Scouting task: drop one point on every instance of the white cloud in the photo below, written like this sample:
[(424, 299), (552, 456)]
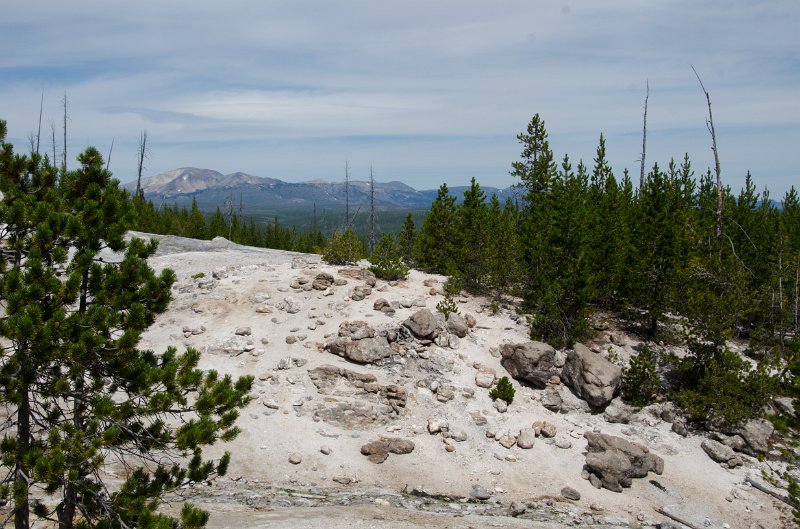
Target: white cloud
[(291, 89)]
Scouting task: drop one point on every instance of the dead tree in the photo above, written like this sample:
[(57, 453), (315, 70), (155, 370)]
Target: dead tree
[(39, 132), (53, 139), (110, 150), (64, 159), (141, 154), (347, 192), (644, 138), (372, 218), (717, 170)]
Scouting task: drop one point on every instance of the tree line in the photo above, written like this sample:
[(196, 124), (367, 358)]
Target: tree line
[(581, 241)]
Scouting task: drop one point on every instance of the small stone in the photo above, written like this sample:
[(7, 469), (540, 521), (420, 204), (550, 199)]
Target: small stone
[(570, 494), (291, 339), (595, 481), (450, 448), (597, 507), (479, 493), (564, 444), (295, 458), (526, 438), (507, 441), (517, 508), (325, 450), (437, 425), (243, 331), (500, 405)]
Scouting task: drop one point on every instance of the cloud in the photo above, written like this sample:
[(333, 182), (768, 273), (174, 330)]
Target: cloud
[(421, 90)]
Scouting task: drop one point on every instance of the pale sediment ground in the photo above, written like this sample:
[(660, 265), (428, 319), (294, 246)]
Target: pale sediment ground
[(288, 415)]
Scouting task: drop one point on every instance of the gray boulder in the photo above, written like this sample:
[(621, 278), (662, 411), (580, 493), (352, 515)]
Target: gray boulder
[(378, 451), (364, 351), (533, 362), (756, 433), (457, 325), (615, 461), (721, 453), (422, 324), (591, 377)]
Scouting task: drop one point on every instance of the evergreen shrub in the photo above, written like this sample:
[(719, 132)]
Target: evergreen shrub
[(503, 390), (640, 381), (343, 248)]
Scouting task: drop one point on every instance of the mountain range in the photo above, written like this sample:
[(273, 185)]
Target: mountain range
[(211, 189)]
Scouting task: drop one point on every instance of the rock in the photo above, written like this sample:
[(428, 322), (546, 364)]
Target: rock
[(457, 435), (479, 493), (356, 330), (422, 324), (360, 274), (378, 451), (291, 339), (591, 377), (679, 426), (507, 440), (457, 325), (325, 450), (563, 443), (364, 351), (570, 494), (756, 433), (500, 405), (295, 458), (219, 273), (485, 377), (380, 304), (517, 508), (243, 331), (721, 453), (437, 426), (360, 292), (619, 412), (526, 438), (551, 399), (322, 281), (533, 362), (470, 320), (544, 428), (615, 461)]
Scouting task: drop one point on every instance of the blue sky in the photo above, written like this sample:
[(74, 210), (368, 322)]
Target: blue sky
[(425, 92)]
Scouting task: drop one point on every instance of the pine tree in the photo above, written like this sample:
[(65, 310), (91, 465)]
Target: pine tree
[(434, 249), (472, 244), (197, 223), (82, 394), (406, 239)]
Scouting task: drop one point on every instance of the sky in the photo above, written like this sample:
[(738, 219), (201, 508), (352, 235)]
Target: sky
[(424, 92)]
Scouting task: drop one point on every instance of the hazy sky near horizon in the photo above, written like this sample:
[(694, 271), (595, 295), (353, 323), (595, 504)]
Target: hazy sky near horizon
[(425, 92)]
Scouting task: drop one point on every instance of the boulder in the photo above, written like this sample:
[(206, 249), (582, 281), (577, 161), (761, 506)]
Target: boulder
[(361, 274), (356, 330), (619, 412), (322, 281), (570, 494), (756, 433), (422, 324), (457, 325), (526, 438), (485, 377), (364, 351), (615, 461), (591, 377), (378, 451), (533, 362), (721, 453)]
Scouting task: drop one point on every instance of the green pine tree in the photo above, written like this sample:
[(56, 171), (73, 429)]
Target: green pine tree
[(434, 249), (82, 394)]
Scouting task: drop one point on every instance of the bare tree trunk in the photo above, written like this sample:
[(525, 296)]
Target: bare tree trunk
[(797, 300), (644, 139), (64, 159), (142, 154), (39, 132), (21, 484), (347, 193), (710, 125), (371, 211), (53, 139), (110, 150)]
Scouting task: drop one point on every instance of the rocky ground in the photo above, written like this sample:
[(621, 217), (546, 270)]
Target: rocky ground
[(372, 410)]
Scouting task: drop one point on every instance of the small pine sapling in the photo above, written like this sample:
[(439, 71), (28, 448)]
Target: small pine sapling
[(503, 391)]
